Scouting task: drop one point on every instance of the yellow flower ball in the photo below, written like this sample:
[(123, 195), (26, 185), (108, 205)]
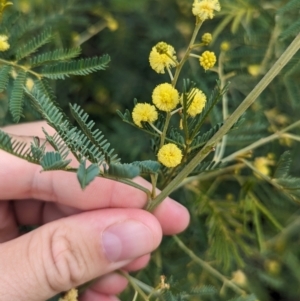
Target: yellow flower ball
[(198, 103), (162, 56), (4, 45), (225, 46), (144, 112), (165, 97), (205, 9), (262, 165), (169, 155), (207, 60)]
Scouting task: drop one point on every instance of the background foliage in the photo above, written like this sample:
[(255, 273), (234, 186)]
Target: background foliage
[(237, 216)]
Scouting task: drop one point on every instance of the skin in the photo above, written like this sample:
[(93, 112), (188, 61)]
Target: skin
[(68, 249)]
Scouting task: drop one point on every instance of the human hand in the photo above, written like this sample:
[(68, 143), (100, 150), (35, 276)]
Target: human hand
[(83, 235)]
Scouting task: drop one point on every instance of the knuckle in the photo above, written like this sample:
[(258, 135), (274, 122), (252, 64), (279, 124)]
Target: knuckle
[(67, 266)]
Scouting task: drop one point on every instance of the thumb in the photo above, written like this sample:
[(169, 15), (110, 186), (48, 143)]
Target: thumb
[(73, 250)]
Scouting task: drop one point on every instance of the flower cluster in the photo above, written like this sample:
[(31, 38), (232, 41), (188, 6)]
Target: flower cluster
[(4, 45), (162, 56), (205, 9), (165, 96), (144, 112), (207, 59), (169, 155)]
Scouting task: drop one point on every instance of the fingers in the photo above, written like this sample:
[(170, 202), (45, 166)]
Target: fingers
[(29, 129), (110, 284), (73, 250), (63, 188), (8, 226)]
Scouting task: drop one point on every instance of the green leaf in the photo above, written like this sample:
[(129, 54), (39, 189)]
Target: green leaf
[(5, 142), (17, 148), (53, 161), (62, 70), (122, 170), (195, 124), (16, 98), (4, 77), (202, 139), (86, 175), (98, 142), (34, 44), (283, 166), (56, 55), (147, 166)]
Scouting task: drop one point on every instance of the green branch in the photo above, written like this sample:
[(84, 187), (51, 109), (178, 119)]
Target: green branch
[(208, 267), (248, 101)]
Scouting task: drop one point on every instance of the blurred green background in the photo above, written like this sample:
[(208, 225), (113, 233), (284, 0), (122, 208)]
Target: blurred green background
[(226, 228)]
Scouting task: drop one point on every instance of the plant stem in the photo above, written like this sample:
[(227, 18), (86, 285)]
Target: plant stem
[(212, 174), (276, 68), (131, 280), (220, 149), (164, 133), (26, 69), (261, 142), (208, 267), (174, 80), (187, 53)]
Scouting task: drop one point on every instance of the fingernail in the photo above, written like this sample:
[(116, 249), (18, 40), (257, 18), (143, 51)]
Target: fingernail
[(126, 240)]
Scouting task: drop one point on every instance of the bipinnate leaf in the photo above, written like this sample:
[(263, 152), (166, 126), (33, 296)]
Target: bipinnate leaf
[(54, 161), (16, 98), (86, 175), (4, 77), (147, 166), (122, 170), (283, 166)]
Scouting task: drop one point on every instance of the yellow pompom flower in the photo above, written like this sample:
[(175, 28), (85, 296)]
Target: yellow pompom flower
[(144, 112), (204, 9), (225, 46), (197, 104), (207, 59), (162, 56), (262, 165), (71, 295), (169, 155), (3, 43), (165, 97)]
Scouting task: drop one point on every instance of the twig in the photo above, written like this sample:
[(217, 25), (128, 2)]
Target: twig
[(248, 101), (208, 267)]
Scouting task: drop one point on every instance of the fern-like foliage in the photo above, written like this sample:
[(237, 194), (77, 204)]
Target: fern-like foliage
[(18, 148), (98, 144), (34, 44), (148, 166), (53, 161), (4, 77), (201, 140), (56, 55), (205, 166), (86, 175), (122, 170), (25, 62), (225, 245), (283, 166), (62, 70), (289, 185), (194, 124), (16, 99)]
